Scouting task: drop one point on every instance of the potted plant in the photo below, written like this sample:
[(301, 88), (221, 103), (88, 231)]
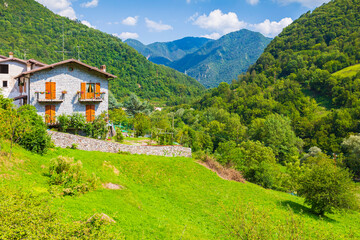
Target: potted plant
[(64, 92)]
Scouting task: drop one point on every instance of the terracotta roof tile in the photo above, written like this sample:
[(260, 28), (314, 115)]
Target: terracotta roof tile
[(108, 75)]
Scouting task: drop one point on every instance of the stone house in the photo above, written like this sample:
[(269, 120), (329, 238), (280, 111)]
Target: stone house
[(10, 67), (65, 87)]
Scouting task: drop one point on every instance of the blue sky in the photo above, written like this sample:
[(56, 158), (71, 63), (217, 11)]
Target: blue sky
[(165, 20)]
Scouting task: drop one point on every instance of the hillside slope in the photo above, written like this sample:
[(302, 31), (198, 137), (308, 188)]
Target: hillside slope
[(208, 61), (293, 77), (173, 198), (224, 59), (26, 25), (167, 52), (327, 39)]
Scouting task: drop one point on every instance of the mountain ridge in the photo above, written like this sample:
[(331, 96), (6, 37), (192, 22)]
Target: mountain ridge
[(211, 61)]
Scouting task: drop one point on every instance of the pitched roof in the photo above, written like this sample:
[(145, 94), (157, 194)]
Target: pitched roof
[(108, 75), (13, 59), (3, 57), (37, 62), (22, 61)]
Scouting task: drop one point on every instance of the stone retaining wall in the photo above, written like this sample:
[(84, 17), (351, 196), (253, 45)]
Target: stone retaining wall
[(89, 144)]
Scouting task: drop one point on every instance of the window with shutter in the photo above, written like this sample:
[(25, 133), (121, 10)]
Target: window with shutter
[(90, 113), (50, 114)]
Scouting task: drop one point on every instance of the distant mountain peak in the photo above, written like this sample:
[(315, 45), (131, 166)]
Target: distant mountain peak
[(209, 61)]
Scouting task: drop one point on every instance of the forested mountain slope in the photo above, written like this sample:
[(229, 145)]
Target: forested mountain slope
[(209, 61), (26, 25), (167, 52), (222, 60), (293, 78), (315, 45)]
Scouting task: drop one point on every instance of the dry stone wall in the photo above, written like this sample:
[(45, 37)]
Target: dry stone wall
[(89, 144)]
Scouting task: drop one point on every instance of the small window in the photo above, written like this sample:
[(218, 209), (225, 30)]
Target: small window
[(5, 84), (4, 68)]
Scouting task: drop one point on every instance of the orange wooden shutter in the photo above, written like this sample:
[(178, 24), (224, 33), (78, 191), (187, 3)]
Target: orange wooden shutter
[(50, 113), (90, 113), (97, 90), (53, 90), (53, 113), (83, 90), (47, 113), (47, 90)]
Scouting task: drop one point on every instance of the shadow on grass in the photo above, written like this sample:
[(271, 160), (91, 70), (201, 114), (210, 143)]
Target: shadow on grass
[(300, 209)]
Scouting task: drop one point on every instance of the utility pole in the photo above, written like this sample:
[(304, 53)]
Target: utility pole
[(78, 52), (63, 45), (25, 50)]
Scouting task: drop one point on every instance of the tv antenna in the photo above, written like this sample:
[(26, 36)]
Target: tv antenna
[(25, 51), (78, 52), (63, 45)]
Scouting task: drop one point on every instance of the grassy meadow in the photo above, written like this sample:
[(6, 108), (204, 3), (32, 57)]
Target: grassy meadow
[(348, 72), (174, 198)]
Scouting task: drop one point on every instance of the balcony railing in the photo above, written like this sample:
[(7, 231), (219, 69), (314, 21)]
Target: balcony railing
[(91, 97), (42, 97)]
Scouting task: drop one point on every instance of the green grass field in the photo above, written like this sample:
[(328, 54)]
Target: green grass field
[(348, 72), (168, 198)]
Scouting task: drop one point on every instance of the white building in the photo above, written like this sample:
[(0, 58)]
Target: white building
[(65, 87)]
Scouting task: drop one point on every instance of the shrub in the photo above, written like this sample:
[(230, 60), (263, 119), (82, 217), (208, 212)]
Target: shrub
[(26, 216), (351, 145), (119, 137), (98, 128), (325, 186), (68, 176), (258, 163), (228, 153), (25, 127), (77, 122), (64, 122)]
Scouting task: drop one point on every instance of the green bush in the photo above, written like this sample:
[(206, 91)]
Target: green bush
[(77, 122), (258, 164), (25, 127), (97, 129), (119, 137), (68, 177), (26, 216), (64, 122), (325, 186)]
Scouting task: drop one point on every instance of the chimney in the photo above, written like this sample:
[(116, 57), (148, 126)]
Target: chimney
[(103, 68), (28, 66), (11, 55)]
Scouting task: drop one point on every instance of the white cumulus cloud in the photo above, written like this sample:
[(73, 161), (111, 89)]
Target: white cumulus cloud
[(252, 2), (130, 21), (61, 7), (157, 27), (214, 36), (271, 29), (221, 22), (126, 35), (86, 23), (92, 3), (306, 3)]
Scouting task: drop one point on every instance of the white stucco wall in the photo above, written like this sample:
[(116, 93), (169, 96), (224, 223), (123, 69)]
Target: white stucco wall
[(71, 82), (15, 68)]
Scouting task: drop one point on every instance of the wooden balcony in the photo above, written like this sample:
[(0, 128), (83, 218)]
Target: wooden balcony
[(42, 98), (90, 98)]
